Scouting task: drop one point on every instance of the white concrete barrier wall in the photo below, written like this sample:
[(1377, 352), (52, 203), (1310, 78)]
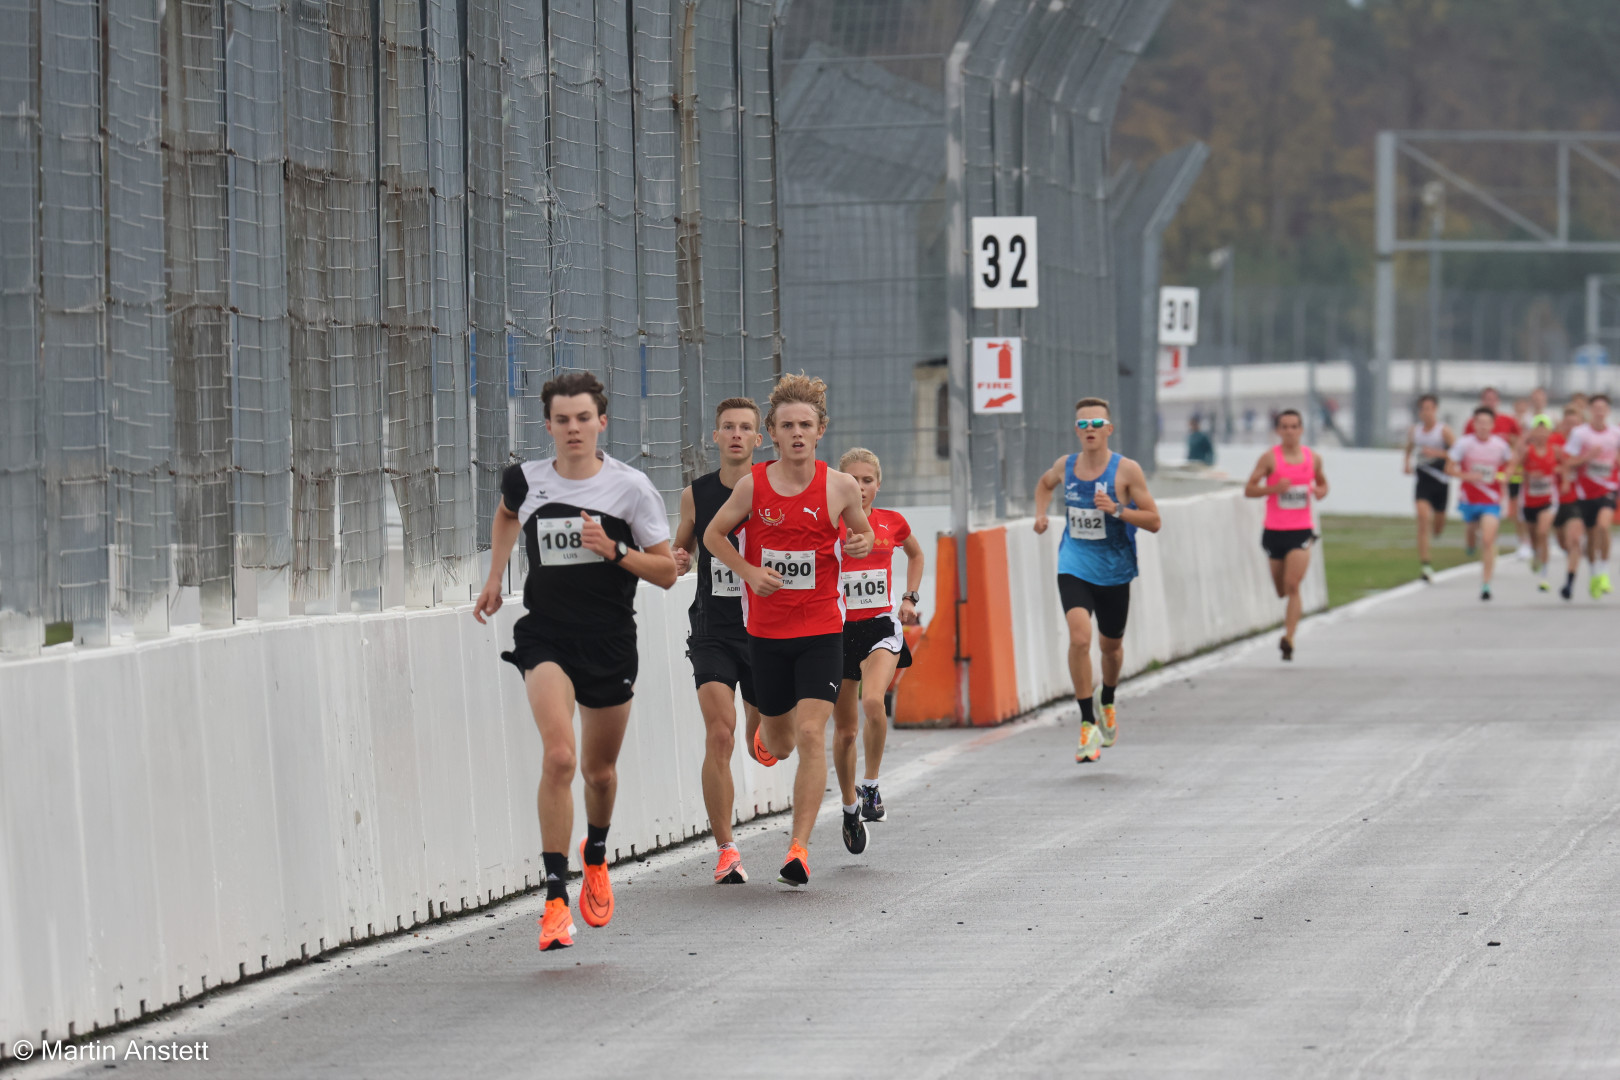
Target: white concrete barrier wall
[(1204, 581), (175, 814), (1360, 481)]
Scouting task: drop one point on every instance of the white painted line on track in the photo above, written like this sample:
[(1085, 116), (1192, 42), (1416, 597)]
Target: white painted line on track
[(209, 1013)]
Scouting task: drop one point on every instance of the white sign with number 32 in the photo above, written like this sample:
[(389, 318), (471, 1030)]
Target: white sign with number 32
[(1004, 263)]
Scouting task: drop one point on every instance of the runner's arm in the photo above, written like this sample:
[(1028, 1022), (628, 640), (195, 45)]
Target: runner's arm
[(731, 514), (914, 575), (1257, 488), (652, 564), (1145, 514), (859, 535), (686, 538), (503, 533), (1406, 455), (1048, 483), (1320, 488)]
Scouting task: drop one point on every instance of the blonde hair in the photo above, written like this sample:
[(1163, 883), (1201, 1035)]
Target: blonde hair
[(860, 453), (800, 389)]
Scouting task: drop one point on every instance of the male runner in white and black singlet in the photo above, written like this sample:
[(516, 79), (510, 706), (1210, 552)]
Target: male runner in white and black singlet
[(718, 644), (593, 527), (791, 600), (1427, 445)]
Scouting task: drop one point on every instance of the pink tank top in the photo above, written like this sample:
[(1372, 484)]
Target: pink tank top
[(1291, 509)]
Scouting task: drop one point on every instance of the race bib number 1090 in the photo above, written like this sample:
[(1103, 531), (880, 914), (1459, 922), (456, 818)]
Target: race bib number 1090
[(562, 542), (865, 588), (798, 568)]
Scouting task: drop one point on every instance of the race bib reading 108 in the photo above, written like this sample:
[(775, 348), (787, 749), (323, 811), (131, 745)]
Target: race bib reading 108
[(562, 542), (798, 568)]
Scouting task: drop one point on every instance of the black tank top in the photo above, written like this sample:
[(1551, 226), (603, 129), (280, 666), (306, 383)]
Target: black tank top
[(711, 615)]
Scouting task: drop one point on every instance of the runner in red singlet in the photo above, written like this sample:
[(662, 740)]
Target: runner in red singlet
[(874, 646), (1537, 461), (1567, 523), (792, 603)]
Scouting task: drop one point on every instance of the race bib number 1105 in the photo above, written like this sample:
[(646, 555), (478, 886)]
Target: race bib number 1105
[(865, 588)]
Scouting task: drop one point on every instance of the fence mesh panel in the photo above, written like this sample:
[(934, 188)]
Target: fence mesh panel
[(376, 230), (73, 300), (22, 517)]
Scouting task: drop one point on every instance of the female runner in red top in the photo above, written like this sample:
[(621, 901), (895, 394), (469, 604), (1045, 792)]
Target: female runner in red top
[(873, 645), (792, 605), (1537, 461)]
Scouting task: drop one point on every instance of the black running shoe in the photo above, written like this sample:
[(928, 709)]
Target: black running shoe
[(854, 833), (1568, 591), (871, 803)]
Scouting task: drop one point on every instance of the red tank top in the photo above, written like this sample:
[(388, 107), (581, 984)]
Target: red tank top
[(796, 536), (1540, 476), (868, 584)]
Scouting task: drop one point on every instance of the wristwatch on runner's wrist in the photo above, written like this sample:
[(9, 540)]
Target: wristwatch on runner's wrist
[(622, 549), (914, 597)]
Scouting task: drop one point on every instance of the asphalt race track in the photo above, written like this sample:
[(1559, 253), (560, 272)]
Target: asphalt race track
[(1397, 856)]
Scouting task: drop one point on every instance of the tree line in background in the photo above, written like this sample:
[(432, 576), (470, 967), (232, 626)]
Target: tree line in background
[(1290, 93)]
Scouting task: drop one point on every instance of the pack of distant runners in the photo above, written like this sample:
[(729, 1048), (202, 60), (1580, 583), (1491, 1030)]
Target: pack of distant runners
[(1554, 476)]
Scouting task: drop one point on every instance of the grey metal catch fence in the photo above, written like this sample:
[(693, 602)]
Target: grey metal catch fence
[(870, 101), (280, 283)]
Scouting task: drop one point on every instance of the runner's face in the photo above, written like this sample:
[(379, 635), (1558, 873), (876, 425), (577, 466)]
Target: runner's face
[(1538, 400), (1600, 412), (737, 435), (574, 425), (1490, 399), (1426, 413), (795, 430), (1483, 426), (1289, 430), (1092, 438), (867, 477)]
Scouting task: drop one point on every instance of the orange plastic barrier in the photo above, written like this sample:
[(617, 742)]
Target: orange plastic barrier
[(927, 697)]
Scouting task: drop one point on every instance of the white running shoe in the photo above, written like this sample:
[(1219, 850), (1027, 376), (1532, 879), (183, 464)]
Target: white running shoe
[(1525, 553)]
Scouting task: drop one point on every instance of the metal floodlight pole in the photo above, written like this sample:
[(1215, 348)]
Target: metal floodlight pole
[(1377, 399), (1224, 260), (1434, 197), (957, 359), (1594, 326)]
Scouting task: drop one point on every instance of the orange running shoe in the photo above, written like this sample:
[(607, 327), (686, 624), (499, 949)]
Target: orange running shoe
[(729, 870), (556, 926), (1109, 725), (796, 871), (762, 755), (595, 892)]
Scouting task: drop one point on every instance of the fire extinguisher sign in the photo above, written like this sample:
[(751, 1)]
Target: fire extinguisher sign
[(998, 375)]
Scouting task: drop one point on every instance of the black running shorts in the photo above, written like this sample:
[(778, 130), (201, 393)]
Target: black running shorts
[(1530, 513), (863, 637), (790, 670), (1591, 508), (722, 660), (1567, 512), (1514, 486), (1433, 491), (1110, 603), (1279, 542), (602, 668)]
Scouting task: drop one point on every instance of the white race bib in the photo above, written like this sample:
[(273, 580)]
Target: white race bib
[(865, 588), (1295, 498), (1087, 523), (1539, 486), (798, 568), (562, 542), (1484, 474), (1599, 471), (722, 581)]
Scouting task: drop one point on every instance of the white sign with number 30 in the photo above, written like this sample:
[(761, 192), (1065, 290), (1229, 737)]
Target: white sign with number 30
[(1004, 263), (1178, 315)]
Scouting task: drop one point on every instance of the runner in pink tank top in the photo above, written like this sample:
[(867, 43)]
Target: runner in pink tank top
[(1289, 477)]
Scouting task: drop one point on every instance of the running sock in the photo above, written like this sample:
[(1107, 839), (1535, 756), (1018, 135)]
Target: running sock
[(852, 807), (596, 844), (1086, 715), (556, 874), (732, 844), (1569, 579), (1108, 694)]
